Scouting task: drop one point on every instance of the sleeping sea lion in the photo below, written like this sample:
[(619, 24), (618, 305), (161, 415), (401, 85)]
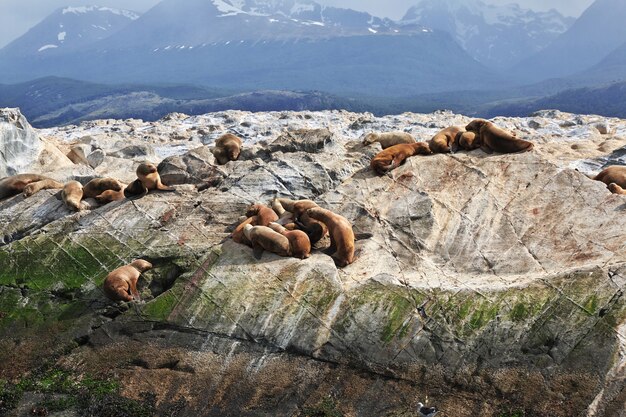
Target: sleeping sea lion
[(392, 157), (492, 138), (121, 283), (299, 243), (388, 139), (264, 238), (443, 140)]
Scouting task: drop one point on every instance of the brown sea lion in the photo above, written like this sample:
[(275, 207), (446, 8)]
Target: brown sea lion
[(299, 243), (135, 188), (265, 214), (97, 186), (256, 215), (35, 187), (316, 230), (284, 217), (238, 235), (443, 141), (227, 148), (392, 157), (467, 141), (492, 138), (341, 235), (149, 176), (109, 196), (15, 184), (72, 194), (616, 189), (264, 238), (388, 139), (121, 283), (614, 173)]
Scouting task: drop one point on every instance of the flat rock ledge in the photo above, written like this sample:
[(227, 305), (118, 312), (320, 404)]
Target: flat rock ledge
[(492, 285)]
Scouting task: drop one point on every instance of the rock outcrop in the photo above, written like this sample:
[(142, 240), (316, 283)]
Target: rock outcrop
[(19, 143), (492, 284)]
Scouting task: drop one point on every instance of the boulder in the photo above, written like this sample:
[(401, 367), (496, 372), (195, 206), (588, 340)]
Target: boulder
[(19, 143)]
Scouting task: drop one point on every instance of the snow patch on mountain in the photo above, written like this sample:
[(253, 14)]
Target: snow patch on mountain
[(49, 46), (499, 35), (88, 9)]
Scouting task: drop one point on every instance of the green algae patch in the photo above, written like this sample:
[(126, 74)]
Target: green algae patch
[(519, 312), (60, 390), (160, 308), (399, 311)]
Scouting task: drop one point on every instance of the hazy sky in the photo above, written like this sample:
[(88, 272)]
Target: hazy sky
[(17, 16)]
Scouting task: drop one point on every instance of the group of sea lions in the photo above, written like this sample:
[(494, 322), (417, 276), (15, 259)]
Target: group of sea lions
[(292, 227), (288, 228), (479, 133)]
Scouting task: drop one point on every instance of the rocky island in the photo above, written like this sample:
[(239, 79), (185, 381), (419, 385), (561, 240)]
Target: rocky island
[(491, 285)]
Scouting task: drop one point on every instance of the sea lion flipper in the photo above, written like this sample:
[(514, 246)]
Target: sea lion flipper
[(257, 250), (485, 148), (363, 236), (163, 187)]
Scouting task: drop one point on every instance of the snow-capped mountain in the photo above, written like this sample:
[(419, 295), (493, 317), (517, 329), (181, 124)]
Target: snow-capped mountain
[(495, 35), (592, 38), (70, 28), (248, 45), (173, 24)]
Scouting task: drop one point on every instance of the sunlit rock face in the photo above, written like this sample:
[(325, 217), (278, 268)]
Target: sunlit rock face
[(19, 143), (485, 284)]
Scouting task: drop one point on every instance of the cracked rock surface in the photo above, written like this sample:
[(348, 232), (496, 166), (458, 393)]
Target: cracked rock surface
[(491, 284)]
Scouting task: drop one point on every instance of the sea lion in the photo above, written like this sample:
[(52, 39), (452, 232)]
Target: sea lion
[(316, 230), (256, 215), (98, 186), (341, 235), (299, 243), (285, 217), (238, 235), (613, 174), (135, 188), (149, 176), (616, 189), (36, 186), (72, 194), (265, 215), (443, 141), (109, 196), (392, 157), (15, 184), (492, 138), (388, 139), (466, 140), (264, 238), (227, 148), (121, 283)]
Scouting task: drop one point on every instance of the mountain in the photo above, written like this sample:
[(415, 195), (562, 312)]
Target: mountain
[(53, 101), (607, 100), (69, 29), (217, 43), (498, 36), (596, 33), (611, 69), (173, 24)]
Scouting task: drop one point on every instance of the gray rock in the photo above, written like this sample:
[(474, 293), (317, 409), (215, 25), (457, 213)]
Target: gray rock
[(19, 144), (302, 140), (195, 167), (134, 151)]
